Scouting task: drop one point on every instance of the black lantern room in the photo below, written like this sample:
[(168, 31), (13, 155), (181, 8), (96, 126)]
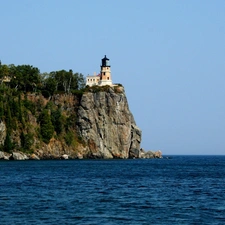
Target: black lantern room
[(105, 62)]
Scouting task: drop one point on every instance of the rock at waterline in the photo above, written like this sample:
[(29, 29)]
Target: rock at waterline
[(150, 154), (3, 156), (18, 156)]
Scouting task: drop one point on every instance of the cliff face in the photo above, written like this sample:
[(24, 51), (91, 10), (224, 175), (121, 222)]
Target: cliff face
[(107, 125), (99, 123), (2, 132)]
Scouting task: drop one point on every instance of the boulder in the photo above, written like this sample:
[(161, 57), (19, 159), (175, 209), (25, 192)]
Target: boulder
[(18, 156), (34, 157), (150, 154), (158, 154), (80, 156), (3, 156), (65, 156)]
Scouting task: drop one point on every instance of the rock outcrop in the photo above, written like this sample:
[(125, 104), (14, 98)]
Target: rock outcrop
[(34, 157), (150, 154), (18, 156), (107, 126), (4, 156), (100, 126)]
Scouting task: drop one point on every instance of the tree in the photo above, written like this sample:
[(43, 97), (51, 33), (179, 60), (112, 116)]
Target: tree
[(1, 108), (51, 85), (64, 81), (8, 118), (14, 108), (25, 77), (4, 71), (26, 140), (80, 81), (47, 129), (8, 146), (56, 118)]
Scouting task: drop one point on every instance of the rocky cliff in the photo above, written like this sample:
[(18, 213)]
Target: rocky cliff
[(107, 125), (99, 121)]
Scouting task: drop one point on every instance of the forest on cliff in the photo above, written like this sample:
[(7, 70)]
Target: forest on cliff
[(25, 96), (55, 115)]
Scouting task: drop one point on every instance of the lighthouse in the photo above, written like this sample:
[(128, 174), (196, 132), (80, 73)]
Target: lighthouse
[(105, 73), (104, 78)]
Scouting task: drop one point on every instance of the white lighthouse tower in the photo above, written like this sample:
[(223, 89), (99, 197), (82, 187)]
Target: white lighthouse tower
[(105, 73)]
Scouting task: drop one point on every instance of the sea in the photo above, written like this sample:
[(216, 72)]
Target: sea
[(172, 190)]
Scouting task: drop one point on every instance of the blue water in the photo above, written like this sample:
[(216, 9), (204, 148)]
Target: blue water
[(180, 190)]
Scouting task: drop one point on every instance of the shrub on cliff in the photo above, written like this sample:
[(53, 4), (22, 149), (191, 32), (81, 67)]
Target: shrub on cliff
[(69, 138), (96, 88)]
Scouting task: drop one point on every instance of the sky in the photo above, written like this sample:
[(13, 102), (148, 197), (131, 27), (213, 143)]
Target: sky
[(169, 56)]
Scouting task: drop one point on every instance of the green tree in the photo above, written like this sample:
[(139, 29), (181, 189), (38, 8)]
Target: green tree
[(46, 127), (64, 81), (26, 140), (56, 118), (4, 71), (51, 85), (14, 107), (1, 108), (21, 111), (79, 81), (29, 105), (8, 146), (25, 78), (8, 119), (69, 138)]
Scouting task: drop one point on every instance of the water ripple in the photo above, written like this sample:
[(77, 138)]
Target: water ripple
[(183, 190)]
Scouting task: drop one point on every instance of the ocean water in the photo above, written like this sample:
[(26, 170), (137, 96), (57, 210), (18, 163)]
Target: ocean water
[(179, 190)]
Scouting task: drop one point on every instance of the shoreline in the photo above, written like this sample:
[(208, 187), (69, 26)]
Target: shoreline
[(20, 156)]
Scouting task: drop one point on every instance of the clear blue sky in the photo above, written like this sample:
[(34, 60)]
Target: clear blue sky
[(169, 55)]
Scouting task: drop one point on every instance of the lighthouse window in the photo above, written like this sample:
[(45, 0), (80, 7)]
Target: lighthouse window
[(104, 73)]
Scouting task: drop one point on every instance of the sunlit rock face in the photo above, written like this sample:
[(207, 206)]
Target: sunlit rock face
[(2, 132), (107, 126)]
